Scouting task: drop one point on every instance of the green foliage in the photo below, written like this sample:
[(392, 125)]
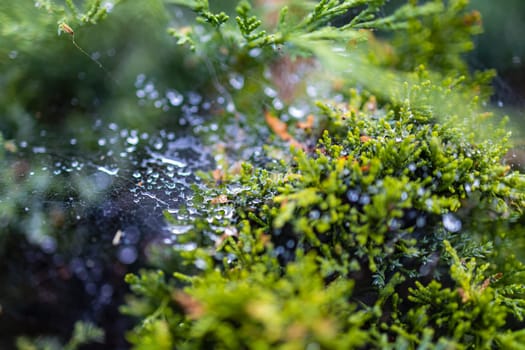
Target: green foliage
[(259, 307), (311, 27), (29, 39), (18, 27), (372, 203), (473, 313), (392, 223), (83, 333), (439, 41), (395, 231)]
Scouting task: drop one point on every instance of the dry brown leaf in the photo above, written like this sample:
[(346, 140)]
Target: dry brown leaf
[(192, 307), (472, 18), (281, 129), (220, 199), (365, 168), (484, 285), (218, 175), (465, 296), (307, 124), (277, 126)]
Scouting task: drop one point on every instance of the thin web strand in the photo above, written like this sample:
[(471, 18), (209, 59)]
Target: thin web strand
[(67, 29)]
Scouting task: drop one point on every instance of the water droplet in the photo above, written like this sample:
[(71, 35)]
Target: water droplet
[(311, 91), (96, 55), (230, 107), (180, 229), (186, 247), (133, 139), (139, 81), (277, 104), (236, 81), (168, 241), (255, 52), (394, 224), (364, 200), (40, 149), (174, 97), (174, 162), (296, 112), (268, 91), (108, 6), (108, 171), (352, 195), (127, 255), (194, 98), (13, 54), (201, 264), (149, 87), (451, 222)]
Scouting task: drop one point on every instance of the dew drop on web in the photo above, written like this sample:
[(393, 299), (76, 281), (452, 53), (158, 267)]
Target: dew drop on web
[(451, 223)]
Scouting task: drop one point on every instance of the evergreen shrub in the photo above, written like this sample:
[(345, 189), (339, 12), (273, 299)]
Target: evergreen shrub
[(393, 222), (384, 217)]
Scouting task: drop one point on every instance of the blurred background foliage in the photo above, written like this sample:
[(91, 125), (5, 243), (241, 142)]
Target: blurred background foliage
[(45, 78), (46, 83), (501, 47)]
